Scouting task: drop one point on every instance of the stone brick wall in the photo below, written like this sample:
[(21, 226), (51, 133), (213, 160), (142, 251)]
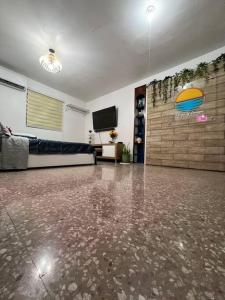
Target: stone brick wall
[(176, 139)]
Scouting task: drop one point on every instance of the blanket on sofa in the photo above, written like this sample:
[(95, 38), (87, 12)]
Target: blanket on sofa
[(14, 151)]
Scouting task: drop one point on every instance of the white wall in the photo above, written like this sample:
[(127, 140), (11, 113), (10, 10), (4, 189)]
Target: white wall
[(76, 125), (13, 109), (124, 100)]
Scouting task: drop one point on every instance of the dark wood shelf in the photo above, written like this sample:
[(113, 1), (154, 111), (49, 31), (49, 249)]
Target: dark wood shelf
[(139, 106), (105, 157)]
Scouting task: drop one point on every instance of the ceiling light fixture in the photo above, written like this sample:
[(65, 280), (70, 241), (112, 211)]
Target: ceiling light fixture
[(151, 8), (50, 62)]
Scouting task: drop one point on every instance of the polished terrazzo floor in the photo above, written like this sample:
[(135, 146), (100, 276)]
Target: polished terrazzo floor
[(112, 232)]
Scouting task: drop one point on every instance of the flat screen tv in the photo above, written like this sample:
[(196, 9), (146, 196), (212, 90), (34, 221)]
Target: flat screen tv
[(105, 119)]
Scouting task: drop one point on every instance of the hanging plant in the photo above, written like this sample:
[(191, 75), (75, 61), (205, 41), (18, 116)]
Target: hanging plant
[(216, 62), (171, 86), (176, 80), (153, 84), (187, 75), (183, 77), (222, 59), (160, 88), (165, 88), (202, 71), (215, 65)]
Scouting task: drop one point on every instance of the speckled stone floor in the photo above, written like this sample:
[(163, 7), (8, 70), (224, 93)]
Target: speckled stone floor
[(112, 232)]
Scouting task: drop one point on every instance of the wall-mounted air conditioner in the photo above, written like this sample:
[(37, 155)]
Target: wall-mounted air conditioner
[(77, 108), (12, 85)]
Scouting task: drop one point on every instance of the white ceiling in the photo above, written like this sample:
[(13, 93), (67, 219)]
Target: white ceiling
[(103, 44)]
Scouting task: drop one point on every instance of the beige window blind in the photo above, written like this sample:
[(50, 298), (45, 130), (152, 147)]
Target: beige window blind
[(44, 112)]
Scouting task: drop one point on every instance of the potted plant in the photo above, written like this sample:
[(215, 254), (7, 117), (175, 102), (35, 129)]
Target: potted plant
[(113, 134), (126, 154)]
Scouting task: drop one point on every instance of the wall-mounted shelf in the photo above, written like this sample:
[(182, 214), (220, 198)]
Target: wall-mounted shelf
[(139, 124)]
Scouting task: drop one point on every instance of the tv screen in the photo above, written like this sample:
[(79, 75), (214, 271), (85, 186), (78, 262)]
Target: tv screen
[(105, 119)]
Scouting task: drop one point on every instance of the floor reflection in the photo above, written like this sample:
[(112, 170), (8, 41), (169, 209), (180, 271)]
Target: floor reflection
[(112, 232)]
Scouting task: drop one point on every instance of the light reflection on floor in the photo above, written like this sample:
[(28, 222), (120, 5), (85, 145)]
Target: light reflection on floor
[(112, 232)]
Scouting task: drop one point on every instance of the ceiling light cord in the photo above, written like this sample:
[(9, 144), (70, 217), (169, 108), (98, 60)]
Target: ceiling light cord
[(149, 48), (150, 11)]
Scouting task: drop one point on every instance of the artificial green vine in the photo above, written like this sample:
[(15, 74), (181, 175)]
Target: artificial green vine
[(176, 81), (186, 76), (165, 88), (154, 91), (171, 86), (216, 62), (202, 71), (215, 65), (160, 87)]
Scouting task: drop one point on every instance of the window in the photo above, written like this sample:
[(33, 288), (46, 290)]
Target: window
[(44, 112)]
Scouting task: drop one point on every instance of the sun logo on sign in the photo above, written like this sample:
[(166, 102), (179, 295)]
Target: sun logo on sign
[(189, 99)]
